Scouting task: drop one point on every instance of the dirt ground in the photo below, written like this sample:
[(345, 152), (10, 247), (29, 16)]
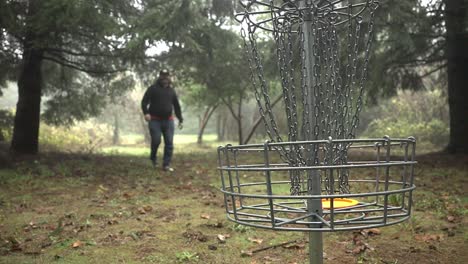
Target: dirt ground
[(69, 208)]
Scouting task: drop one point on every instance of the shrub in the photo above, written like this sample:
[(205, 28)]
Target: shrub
[(6, 125), (422, 114), (85, 137)]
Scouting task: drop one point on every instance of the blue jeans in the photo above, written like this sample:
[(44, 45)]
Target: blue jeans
[(166, 128)]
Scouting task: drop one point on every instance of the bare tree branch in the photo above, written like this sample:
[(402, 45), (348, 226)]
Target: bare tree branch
[(259, 119), (229, 105), (79, 54), (434, 70), (71, 65)]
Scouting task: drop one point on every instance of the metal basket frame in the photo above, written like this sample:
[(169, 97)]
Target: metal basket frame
[(259, 204)]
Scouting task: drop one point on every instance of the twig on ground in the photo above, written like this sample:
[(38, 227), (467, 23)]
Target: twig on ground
[(250, 253)]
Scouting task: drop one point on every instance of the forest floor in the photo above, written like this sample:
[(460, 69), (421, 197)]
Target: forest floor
[(115, 208)]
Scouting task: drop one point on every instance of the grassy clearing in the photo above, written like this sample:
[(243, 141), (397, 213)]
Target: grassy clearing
[(108, 208), (183, 144)]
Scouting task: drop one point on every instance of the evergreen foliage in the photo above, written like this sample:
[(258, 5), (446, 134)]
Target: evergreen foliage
[(409, 45)]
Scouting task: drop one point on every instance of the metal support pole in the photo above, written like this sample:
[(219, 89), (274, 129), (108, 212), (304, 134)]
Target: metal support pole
[(314, 206)]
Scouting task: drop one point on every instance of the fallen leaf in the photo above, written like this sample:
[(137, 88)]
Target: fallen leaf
[(148, 208), (359, 249), (205, 216), (76, 244), (255, 240), (102, 188), (368, 232), (427, 238), (373, 231), (221, 238), (451, 218)]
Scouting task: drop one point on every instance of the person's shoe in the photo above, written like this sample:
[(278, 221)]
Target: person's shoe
[(154, 163), (168, 168)]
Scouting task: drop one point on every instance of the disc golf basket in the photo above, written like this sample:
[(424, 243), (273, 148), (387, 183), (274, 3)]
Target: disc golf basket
[(319, 179)]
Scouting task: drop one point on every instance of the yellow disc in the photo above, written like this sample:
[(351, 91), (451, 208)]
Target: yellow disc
[(338, 203)]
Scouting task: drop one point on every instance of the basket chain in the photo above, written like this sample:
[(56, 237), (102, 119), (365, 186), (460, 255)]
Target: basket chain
[(329, 107)]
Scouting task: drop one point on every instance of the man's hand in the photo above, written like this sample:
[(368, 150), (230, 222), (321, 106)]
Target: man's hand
[(181, 125), (148, 117)]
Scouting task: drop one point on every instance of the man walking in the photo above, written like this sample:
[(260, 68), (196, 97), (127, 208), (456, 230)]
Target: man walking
[(157, 105)]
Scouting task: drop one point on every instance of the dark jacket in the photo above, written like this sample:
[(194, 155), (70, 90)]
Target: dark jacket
[(161, 102)]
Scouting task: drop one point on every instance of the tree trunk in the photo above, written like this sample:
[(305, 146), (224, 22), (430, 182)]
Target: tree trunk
[(116, 136), (144, 128), (218, 126), (239, 121), (457, 70), (204, 121), (28, 109), (221, 126), (143, 124), (259, 119)]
